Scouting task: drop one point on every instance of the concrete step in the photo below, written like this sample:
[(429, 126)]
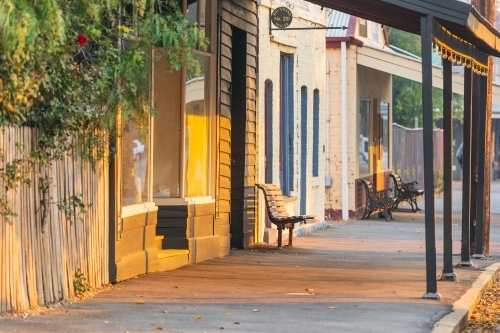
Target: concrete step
[(172, 259), (159, 241)]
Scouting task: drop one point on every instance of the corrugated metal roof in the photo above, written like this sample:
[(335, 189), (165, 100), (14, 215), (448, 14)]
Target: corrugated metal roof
[(337, 19)]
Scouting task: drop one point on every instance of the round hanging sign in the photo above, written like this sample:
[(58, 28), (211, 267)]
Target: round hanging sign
[(281, 17)]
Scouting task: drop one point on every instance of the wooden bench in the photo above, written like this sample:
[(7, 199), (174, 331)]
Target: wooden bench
[(277, 212), (405, 192), (377, 200)]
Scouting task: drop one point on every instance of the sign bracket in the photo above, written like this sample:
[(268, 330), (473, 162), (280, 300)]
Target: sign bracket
[(282, 17)]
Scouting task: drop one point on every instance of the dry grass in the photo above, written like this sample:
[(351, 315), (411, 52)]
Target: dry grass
[(486, 317)]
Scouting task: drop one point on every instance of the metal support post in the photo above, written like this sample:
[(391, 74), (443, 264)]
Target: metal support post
[(430, 216), (448, 273), (466, 163), (478, 251)]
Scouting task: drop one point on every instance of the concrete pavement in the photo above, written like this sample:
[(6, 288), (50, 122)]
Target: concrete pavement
[(361, 276)]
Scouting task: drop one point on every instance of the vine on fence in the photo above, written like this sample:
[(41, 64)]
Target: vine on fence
[(71, 68)]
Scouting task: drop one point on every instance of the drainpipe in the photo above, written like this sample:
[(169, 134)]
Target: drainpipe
[(328, 177), (345, 188)]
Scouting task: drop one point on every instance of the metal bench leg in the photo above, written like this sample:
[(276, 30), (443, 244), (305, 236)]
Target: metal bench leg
[(280, 234), (290, 235)]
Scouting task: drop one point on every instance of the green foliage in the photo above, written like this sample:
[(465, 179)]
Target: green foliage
[(73, 207), (406, 41), (81, 285), (407, 94), (80, 68)]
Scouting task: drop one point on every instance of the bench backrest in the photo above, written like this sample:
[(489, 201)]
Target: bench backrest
[(274, 200)]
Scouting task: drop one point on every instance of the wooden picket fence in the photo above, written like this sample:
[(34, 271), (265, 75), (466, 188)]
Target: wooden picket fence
[(38, 268)]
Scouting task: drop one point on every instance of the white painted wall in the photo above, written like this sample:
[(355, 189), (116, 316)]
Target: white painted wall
[(308, 48), (362, 82), (333, 195)]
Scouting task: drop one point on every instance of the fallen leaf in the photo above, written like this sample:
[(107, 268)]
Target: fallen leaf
[(228, 313), (222, 328), (333, 307), (183, 307), (255, 310), (139, 302), (197, 318), (237, 322), (165, 311), (158, 329)]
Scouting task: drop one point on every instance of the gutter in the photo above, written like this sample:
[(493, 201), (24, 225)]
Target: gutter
[(336, 42)]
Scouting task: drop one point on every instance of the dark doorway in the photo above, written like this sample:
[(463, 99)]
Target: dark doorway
[(238, 130)]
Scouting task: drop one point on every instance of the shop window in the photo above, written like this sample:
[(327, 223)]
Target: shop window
[(185, 105), (135, 159), (384, 134), (196, 12), (363, 135), (166, 134), (197, 132)]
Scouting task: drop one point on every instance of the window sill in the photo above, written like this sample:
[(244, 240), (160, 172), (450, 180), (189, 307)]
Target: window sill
[(137, 209), (183, 201)]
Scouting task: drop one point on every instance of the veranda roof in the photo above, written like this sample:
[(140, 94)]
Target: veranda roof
[(458, 18)]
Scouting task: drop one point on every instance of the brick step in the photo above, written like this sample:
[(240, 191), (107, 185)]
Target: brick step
[(172, 259), (159, 241)]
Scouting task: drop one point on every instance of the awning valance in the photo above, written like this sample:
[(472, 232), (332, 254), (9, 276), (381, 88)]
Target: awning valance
[(457, 50)]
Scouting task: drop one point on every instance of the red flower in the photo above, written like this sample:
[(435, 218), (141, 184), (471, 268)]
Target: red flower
[(82, 39)]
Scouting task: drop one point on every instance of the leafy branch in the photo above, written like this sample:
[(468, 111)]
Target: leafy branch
[(80, 68)]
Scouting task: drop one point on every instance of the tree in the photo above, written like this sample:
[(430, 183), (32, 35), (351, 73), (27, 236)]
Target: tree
[(407, 94)]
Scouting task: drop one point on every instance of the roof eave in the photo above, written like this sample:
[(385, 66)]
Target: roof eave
[(483, 30)]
